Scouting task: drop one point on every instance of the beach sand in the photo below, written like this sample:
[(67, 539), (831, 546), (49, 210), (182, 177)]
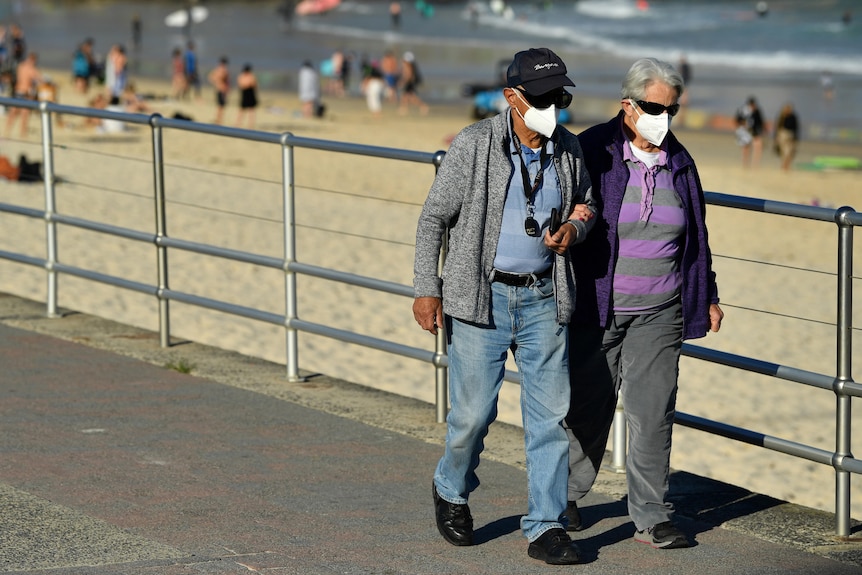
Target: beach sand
[(776, 274)]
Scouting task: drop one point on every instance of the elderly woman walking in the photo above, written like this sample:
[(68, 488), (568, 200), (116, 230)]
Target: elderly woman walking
[(645, 284)]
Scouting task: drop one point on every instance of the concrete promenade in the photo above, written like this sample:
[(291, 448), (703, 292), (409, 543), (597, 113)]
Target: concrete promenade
[(113, 463)]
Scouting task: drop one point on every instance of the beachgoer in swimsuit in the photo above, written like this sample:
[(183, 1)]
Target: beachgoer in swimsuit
[(219, 78), (410, 80), (27, 80), (389, 67), (247, 84)]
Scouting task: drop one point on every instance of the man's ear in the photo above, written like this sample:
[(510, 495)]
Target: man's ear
[(510, 95), (513, 97)]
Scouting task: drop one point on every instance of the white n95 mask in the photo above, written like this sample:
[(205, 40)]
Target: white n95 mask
[(542, 121), (653, 129)]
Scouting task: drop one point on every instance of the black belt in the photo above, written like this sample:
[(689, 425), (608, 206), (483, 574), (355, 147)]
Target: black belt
[(518, 280)]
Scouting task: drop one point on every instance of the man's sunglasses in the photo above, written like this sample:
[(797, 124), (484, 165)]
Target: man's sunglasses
[(654, 109), (560, 99)]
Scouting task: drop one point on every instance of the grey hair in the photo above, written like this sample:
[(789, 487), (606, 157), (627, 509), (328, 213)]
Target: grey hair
[(647, 71)]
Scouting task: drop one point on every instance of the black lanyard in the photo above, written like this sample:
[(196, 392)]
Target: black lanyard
[(531, 226)]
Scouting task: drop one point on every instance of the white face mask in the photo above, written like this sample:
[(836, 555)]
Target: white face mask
[(652, 128), (541, 121)]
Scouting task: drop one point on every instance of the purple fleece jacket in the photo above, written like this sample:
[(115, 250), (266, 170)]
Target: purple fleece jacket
[(596, 257)]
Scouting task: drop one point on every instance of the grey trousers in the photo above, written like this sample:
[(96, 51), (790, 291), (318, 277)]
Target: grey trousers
[(637, 357)]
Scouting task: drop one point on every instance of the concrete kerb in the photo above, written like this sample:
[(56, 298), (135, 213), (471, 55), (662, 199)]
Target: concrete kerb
[(695, 497)]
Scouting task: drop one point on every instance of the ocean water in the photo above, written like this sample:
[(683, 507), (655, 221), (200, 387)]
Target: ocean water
[(734, 51), (802, 36)]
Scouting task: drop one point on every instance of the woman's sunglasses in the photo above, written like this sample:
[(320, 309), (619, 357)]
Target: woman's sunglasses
[(654, 109), (560, 100)]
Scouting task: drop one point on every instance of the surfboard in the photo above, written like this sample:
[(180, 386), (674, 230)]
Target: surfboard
[(307, 7), (838, 162), (822, 163)]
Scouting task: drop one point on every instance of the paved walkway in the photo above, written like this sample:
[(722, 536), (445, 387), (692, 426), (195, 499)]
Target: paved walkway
[(113, 464)]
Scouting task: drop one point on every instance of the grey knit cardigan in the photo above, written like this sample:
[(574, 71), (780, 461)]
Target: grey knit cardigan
[(467, 199)]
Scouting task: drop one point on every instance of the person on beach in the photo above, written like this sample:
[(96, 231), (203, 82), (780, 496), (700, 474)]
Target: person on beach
[(410, 80), (645, 284), (507, 284), (750, 127), (786, 135), (395, 14), (17, 44), (373, 86), (179, 85), (133, 102), (27, 79), (137, 33), (309, 89), (247, 84), (219, 79), (334, 78), (120, 68), (347, 71), (391, 74), (190, 68), (17, 52), (110, 77), (827, 84), (83, 66), (5, 67)]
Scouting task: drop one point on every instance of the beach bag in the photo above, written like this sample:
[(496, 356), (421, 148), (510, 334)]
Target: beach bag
[(29, 171)]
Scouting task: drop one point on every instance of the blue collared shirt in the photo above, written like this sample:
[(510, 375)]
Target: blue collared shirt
[(516, 251)]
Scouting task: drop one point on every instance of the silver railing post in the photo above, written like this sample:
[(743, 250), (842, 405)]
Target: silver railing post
[(50, 209), (618, 453), (290, 333), (844, 358), (161, 232)]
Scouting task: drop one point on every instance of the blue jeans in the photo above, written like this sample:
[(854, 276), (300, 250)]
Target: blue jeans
[(524, 320)]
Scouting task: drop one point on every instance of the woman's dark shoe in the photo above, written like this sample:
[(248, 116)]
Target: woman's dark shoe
[(574, 517), (453, 520), (663, 536), (555, 547)]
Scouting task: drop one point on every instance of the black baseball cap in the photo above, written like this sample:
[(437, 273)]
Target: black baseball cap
[(538, 71)]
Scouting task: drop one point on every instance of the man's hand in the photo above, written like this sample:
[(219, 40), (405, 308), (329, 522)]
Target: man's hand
[(428, 312), (560, 241), (567, 234)]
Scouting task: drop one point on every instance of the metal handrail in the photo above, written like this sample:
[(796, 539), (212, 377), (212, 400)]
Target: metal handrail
[(845, 218)]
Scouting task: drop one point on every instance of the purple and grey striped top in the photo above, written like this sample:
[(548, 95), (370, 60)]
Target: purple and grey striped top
[(651, 228)]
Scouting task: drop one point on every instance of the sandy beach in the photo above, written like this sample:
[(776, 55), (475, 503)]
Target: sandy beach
[(776, 274)]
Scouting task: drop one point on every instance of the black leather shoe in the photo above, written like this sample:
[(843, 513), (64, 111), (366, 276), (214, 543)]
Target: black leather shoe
[(454, 521), (554, 547), (574, 517)]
